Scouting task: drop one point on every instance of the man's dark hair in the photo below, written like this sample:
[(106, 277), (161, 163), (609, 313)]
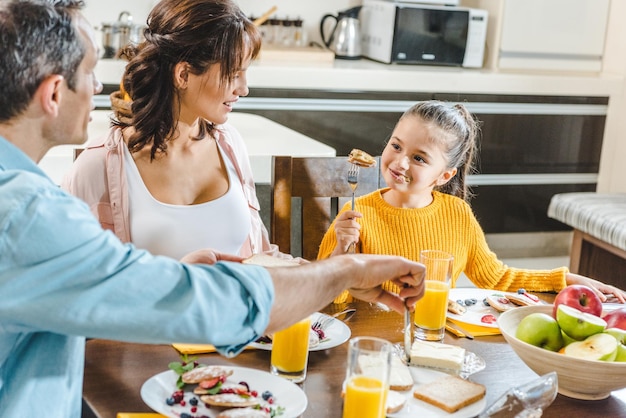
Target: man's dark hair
[(38, 38)]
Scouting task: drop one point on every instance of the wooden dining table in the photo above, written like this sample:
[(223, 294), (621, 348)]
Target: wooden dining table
[(115, 371)]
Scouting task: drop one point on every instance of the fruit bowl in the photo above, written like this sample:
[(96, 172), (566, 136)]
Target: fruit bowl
[(578, 378)]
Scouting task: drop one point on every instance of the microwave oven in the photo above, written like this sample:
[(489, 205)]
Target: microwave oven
[(411, 33)]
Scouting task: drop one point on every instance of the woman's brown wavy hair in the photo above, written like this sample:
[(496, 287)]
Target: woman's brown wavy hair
[(198, 32)]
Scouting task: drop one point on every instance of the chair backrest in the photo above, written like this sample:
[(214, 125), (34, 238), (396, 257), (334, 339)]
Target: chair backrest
[(307, 193)]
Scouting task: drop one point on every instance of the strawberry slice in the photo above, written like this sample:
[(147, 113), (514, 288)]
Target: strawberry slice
[(208, 384)]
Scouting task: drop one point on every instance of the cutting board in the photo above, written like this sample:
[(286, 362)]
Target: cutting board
[(306, 55)]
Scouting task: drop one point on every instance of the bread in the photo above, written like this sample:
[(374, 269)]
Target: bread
[(456, 308), (229, 400), (244, 413), (437, 355), (269, 261), (450, 393), (399, 376), (361, 158), (395, 401), (199, 374), (499, 302)]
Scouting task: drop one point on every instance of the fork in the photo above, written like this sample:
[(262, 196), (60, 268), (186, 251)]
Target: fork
[(353, 180)]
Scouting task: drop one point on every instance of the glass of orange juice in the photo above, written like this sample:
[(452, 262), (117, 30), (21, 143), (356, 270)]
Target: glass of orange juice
[(430, 310), (367, 378), (290, 351)]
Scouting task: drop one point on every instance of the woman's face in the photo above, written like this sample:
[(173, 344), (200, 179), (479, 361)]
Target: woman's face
[(412, 162), (204, 97)]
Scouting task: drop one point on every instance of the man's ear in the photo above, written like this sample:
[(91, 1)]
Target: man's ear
[(50, 94), (181, 75), (446, 176)]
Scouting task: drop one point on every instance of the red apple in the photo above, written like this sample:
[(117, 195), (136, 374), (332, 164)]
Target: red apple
[(616, 318), (580, 297)]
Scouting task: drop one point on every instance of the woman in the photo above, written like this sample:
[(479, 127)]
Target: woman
[(172, 176)]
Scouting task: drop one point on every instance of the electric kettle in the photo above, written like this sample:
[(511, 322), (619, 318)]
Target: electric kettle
[(345, 38)]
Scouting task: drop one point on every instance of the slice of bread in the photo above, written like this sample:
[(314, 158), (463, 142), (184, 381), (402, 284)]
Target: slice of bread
[(229, 400), (450, 393), (395, 401), (269, 261), (199, 374)]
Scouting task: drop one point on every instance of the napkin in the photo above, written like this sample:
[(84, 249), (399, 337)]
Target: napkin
[(476, 330), (198, 348)]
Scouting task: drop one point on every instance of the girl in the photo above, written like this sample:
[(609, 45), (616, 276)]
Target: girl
[(425, 165), (172, 176)]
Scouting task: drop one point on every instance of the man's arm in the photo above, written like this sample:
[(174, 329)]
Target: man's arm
[(300, 291)]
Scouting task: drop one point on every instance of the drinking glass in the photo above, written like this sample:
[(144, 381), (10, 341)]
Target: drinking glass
[(290, 351), (367, 378), (430, 310)]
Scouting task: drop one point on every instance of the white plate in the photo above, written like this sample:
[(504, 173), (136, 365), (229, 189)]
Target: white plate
[(159, 387), (475, 312), (416, 408), (337, 333)]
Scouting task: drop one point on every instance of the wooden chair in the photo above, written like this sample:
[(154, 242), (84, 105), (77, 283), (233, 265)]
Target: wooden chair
[(307, 193)]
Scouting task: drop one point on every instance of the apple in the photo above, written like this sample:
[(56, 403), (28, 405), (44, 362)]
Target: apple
[(580, 297), (540, 330), (616, 318), (577, 324), (620, 336), (600, 346), (567, 340)]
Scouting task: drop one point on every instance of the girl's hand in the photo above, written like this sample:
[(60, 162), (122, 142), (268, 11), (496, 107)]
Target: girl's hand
[(600, 288), (347, 230)]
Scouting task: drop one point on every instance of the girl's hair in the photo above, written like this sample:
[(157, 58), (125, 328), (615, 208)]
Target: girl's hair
[(198, 32), (458, 139)]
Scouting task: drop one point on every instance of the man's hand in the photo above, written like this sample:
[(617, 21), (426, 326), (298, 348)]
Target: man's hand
[(374, 270)]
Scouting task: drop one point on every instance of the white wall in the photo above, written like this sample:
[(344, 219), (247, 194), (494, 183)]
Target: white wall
[(98, 11)]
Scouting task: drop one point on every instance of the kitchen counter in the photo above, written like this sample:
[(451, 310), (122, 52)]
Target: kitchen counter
[(262, 136), (367, 75)]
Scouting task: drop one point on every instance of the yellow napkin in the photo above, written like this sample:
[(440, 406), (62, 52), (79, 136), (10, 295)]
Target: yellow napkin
[(198, 348), (476, 330), (194, 348), (139, 415)]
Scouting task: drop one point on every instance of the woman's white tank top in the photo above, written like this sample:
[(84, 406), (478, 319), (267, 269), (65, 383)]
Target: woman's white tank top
[(176, 230)]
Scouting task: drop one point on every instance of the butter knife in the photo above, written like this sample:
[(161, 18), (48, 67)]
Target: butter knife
[(458, 331)]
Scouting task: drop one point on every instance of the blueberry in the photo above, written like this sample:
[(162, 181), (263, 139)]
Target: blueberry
[(521, 291), (170, 401), (460, 302), (185, 415), (193, 401), (266, 395)]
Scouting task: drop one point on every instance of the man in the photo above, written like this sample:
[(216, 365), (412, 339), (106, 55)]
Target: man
[(62, 277)]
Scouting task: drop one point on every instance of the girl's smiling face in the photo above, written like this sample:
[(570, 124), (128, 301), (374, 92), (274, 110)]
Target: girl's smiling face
[(414, 162)]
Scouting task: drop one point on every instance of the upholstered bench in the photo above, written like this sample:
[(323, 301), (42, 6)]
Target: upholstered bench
[(599, 242)]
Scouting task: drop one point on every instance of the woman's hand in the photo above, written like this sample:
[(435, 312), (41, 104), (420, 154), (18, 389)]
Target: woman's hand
[(600, 288), (209, 256), (347, 231)]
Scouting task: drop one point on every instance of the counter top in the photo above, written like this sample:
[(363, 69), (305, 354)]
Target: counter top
[(368, 75), (263, 137)]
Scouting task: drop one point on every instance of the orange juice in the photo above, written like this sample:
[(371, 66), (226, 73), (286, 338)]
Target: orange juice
[(430, 310), (290, 347), (365, 398)]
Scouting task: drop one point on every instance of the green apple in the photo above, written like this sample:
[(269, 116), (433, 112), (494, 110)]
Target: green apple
[(577, 324), (600, 346), (541, 330), (567, 340), (620, 336)]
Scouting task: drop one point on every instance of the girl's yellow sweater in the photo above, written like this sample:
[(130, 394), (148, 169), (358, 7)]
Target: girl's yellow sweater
[(447, 224)]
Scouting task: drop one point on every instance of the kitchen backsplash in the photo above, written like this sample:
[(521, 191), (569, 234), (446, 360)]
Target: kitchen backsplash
[(310, 12)]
